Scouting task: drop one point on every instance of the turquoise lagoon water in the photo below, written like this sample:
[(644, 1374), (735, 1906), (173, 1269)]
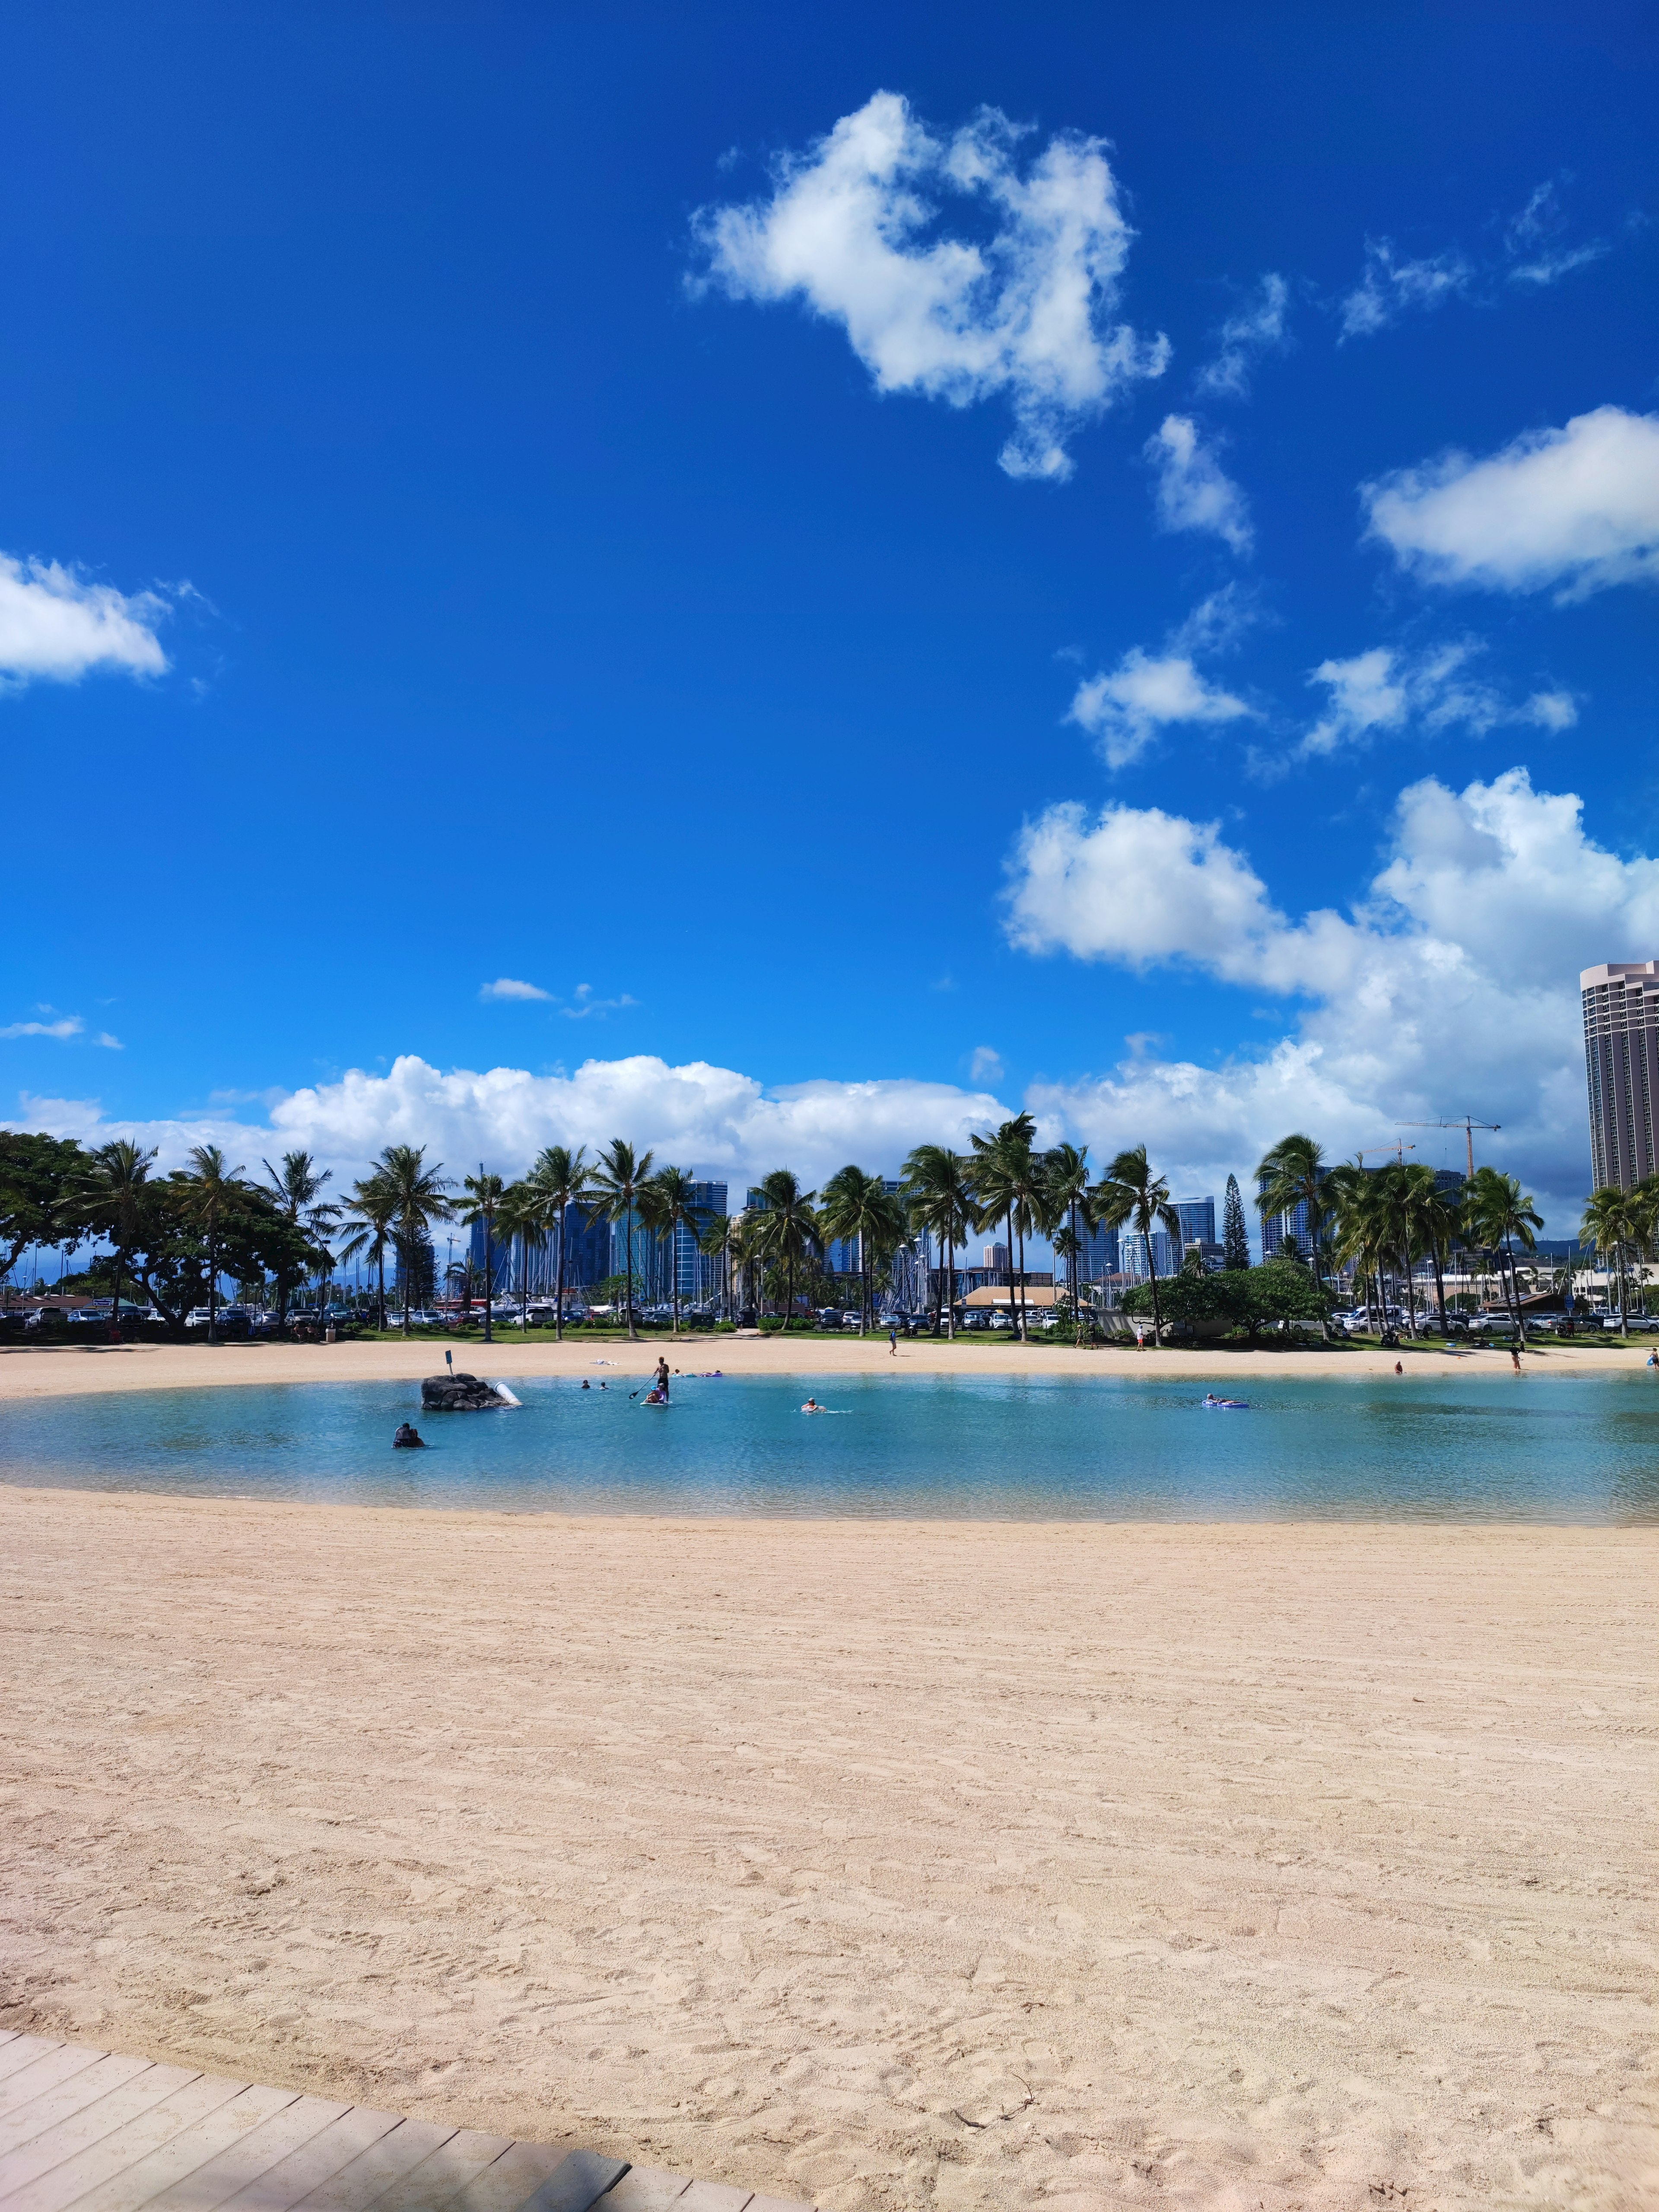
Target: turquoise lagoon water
[(1462, 1448)]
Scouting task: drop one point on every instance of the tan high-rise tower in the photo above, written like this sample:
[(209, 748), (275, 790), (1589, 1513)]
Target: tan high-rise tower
[(1621, 1062)]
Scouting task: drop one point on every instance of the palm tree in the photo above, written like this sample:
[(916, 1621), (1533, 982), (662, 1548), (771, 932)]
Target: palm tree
[(618, 1179), (933, 1183), (1295, 1175), (1069, 1199), (482, 1202), (214, 1192), (1129, 1191), (1612, 1223), (1363, 1230), (297, 1187), (370, 1213), (859, 1204), (1007, 1185), (1434, 1220), (419, 1193), (727, 1236), (666, 1204), (558, 1180), (1502, 1213), (785, 1230), (1645, 1214), (114, 1201)]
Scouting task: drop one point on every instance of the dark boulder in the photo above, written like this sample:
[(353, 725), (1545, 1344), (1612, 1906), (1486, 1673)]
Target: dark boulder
[(457, 1393)]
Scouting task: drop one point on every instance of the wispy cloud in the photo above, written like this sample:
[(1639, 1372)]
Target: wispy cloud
[(1531, 251), (56, 627), (1390, 288), (1386, 691), (586, 1004), (848, 228), (509, 987), (61, 1028), (985, 1064), (1192, 491), (1260, 327)]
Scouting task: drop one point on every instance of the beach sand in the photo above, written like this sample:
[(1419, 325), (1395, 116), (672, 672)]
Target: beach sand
[(28, 1370), (890, 1865)]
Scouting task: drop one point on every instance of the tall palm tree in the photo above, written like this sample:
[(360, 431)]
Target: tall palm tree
[(667, 1204), (1645, 1213), (1502, 1214), (1007, 1185), (1363, 1232), (1130, 1193), (933, 1183), (559, 1180), (1070, 1199), (213, 1193), (857, 1204), (421, 1200), (1612, 1223), (1296, 1175), (1434, 1219), (113, 1202), (785, 1231), (619, 1177), (725, 1236), (370, 1213), (297, 1187), (482, 1202)]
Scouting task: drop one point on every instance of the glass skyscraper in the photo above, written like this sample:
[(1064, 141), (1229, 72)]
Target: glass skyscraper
[(1621, 1067)]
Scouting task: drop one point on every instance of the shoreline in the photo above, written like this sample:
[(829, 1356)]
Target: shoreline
[(878, 1865), (32, 1371)]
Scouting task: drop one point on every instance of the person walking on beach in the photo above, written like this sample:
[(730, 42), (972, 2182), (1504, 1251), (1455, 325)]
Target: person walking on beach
[(892, 1339), (1515, 1357)]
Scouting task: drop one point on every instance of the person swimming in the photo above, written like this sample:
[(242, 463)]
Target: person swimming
[(813, 1406), (586, 1385), (408, 1439), (1210, 1398)]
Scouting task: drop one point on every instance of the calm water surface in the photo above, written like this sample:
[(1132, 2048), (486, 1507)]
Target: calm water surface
[(1463, 1449)]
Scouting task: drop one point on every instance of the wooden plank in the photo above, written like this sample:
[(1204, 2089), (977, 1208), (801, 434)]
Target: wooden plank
[(188, 2151), (576, 2183), (512, 2180), (53, 2065), (439, 2179), (647, 2189), (292, 2179), (368, 2177), (103, 2116), (275, 2138), (24, 2049), (712, 2196), (54, 2106), (147, 2120)]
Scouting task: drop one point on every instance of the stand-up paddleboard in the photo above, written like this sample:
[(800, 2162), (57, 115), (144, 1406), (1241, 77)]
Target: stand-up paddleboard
[(1225, 1405)]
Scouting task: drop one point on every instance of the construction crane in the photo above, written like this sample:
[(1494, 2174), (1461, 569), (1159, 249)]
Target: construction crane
[(1393, 1144), (1466, 1122)]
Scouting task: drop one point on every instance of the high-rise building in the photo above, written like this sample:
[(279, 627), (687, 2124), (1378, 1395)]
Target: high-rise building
[(698, 1272), (1276, 1232), (996, 1256), (1621, 1063), (1099, 1255), (1197, 1219)]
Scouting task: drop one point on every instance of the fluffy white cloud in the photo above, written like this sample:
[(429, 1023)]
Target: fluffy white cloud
[(509, 987), (1193, 492), (1384, 690), (1258, 328), (713, 1118), (1125, 709), (1576, 507), (846, 228), (1450, 988), (56, 627), (62, 1027), (1390, 288)]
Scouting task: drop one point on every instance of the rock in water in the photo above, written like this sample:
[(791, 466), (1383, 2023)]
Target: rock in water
[(457, 1393)]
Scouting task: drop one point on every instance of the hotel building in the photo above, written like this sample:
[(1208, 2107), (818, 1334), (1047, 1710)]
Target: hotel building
[(1621, 1063)]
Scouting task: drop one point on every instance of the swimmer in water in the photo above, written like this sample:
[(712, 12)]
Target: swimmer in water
[(408, 1439), (586, 1385), (1398, 1368), (813, 1406)]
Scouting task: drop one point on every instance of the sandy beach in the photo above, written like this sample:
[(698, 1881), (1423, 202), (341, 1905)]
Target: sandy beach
[(1293, 1868), (27, 1371)]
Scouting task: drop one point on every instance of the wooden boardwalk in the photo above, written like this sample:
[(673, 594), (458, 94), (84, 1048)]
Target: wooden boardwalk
[(83, 2130)]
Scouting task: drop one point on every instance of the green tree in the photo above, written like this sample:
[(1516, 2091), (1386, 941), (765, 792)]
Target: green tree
[(297, 1187), (216, 1191), (785, 1231), (619, 1177), (667, 1204), (857, 1204), (1500, 1212), (1007, 1186), (1294, 1173), (1130, 1194), (1235, 1233), (934, 1185), (112, 1202), (421, 1199), (482, 1202), (559, 1180), (43, 1183), (369, 1215), (1611, 1225), (1068, 1197)]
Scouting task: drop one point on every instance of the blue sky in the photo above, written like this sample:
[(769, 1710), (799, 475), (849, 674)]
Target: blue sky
[(492, 496)]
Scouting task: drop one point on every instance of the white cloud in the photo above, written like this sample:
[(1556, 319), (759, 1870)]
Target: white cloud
[(713, 1118), (1577, 507), (847, 228), (586, 1004), (1193, 492), (1533, 241), (1450, 988), (62, 1028), (1390, 288), (56, 627), (986, 1065), (508, 986), (1384, 690), (1126, 708), (1258, 328)]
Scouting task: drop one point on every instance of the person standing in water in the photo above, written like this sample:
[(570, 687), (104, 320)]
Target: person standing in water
[(661, 1380)]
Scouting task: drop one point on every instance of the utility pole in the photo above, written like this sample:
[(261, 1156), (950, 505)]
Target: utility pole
[(1466, 1122)]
